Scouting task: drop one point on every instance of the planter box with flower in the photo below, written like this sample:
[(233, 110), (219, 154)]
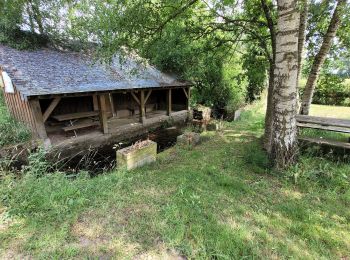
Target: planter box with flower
[(137, 155), (188, 139)]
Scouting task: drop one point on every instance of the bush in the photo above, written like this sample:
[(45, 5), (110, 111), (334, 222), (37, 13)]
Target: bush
[(332, 90)]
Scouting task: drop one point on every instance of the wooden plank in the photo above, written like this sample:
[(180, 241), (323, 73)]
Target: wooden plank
[(169, 103), (72, 116), (148, 95), (135, 98), (142, 107), (114, 114), (188, 99), (323, 127), (95, 102), (320, 141), (51, 107), (80, 126), (327, 121), (38, 117), (185, 92), (103, 113)]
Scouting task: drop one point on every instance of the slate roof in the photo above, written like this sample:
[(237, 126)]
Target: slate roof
[(47, 71)]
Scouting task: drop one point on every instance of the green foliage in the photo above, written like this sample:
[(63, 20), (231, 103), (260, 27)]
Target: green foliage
[(331, 90), (255, 66), (11, 131), (319, 171)]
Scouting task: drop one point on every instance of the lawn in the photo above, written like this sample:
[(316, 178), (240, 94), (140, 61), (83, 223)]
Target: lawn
[(217, 200)]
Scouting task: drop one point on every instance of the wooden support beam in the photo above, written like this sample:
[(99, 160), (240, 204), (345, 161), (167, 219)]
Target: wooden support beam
[(185, 92), (95, 102), (142, 107), (169, 103), (148, 95), (112, 105), (135, 98), (51, 107), (188, 98), (103, 113), (38, 118)]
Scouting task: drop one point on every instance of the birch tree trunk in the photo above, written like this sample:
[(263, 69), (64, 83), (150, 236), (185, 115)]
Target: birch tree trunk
[(284, 137), (272, 58), (320, 58), (302, 33)]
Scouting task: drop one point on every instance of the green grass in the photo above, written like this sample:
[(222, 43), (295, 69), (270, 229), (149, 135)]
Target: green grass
[(218, 200), (11, 131)]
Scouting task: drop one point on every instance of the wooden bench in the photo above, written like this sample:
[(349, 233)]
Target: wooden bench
[(74, 119), (327, 124), (80, 126), (72, 116), (324, 123)]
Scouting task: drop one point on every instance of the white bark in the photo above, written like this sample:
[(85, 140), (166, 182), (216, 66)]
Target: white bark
[(321, 57), (284, 139)]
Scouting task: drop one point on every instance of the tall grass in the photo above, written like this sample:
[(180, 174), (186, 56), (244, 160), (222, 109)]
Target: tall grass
[(11, 131)]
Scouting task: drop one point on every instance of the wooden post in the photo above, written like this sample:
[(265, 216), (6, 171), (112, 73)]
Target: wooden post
[(103, 113), (169, 102), (111, 100), (188, 98), (95, 102), (38, 119), (142, 107)]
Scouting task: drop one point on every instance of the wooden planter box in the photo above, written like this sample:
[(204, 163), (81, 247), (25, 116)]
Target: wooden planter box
[(132, 157), (188, 139)]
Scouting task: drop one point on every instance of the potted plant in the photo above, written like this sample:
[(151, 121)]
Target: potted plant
[(137, 155)]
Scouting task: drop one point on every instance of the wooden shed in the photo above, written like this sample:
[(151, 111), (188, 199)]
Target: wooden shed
[(60, 94)]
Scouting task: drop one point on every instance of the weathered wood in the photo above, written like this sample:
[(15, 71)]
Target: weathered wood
[(131, 158), (326, 121), (330, 143), (169, 102), (103, 113), (38, 118), (95, 102), (73, 116), (188, 98), (80, 126), (142, 107), (112, 105), (324, 127), (185, 92), (51, 107), (148, 95), (136, 98)]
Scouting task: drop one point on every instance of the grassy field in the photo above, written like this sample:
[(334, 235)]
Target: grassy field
[(218, 200)]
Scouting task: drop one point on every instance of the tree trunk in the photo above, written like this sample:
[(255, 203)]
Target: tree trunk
[(302, 33), (269, 111), (320, 58), (37, 16), (284, 137), (269, 107)]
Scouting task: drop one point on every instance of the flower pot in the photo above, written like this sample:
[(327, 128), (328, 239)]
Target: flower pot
[(137, 155)]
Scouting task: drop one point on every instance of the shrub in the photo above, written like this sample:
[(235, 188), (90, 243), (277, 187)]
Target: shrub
[(331, 90)]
